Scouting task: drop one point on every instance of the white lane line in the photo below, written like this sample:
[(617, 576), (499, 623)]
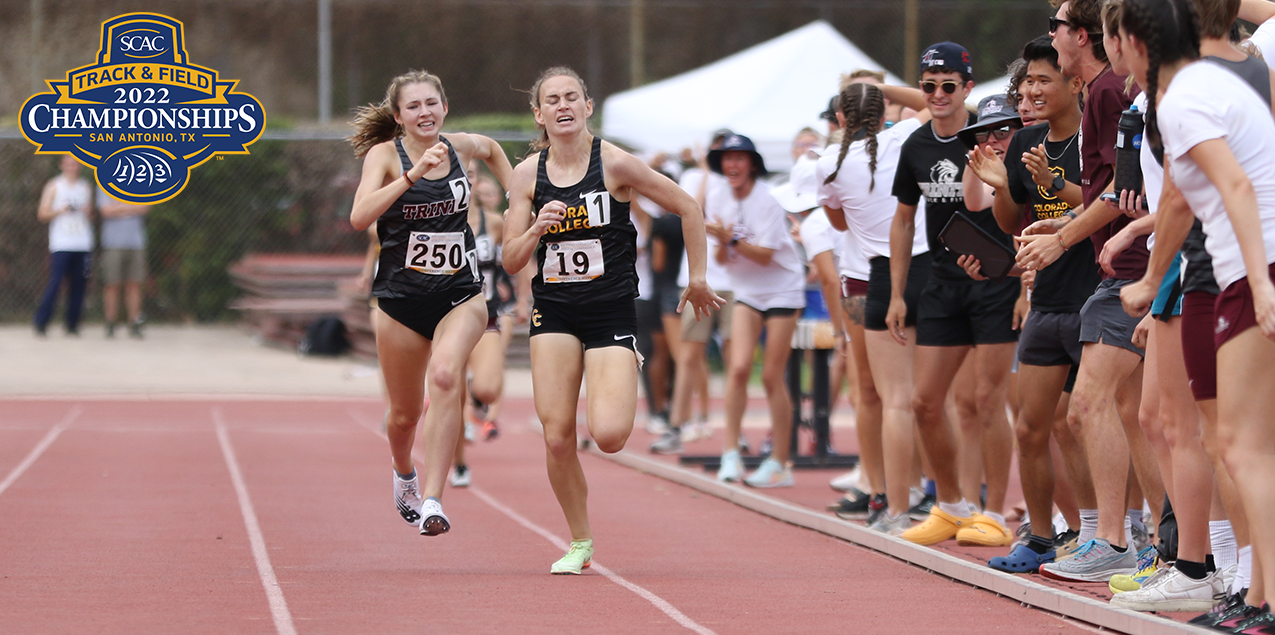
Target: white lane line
[(40, 447), (278, 606), (657, 601)]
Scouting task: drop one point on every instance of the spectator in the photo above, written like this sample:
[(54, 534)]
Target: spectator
[(123, 260), (66, 205)]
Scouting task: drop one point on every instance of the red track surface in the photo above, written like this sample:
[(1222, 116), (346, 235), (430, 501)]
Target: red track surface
[(129, 522)]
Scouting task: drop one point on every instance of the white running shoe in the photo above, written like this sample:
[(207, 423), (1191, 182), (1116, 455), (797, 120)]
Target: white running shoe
[(459, 476), (433, 520), (471, 432), (846, 482), (770, 473), (696, 430), (407, 499), (656, 424), (732, 468), (1172, 590)]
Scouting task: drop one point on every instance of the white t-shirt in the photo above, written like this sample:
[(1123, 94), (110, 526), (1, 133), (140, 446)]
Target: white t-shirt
[(1264, 39), (818, 235), (646, 284), (869, 215), (1205, 102), (762, 222), (71, 230), (716, 194), (1152, 170)]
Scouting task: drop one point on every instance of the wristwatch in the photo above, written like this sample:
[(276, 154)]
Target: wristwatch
[(1058, 185)]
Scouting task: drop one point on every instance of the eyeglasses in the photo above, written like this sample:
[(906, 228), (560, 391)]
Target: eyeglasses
[(949, 86), (1055, 22), (999, 134)]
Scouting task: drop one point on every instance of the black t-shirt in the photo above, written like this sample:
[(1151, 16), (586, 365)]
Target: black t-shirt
[(933, 168), (668, 230), (1064, 286)]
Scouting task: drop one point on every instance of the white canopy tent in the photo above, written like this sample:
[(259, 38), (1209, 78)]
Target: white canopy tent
[(987, 88), (768, 93)]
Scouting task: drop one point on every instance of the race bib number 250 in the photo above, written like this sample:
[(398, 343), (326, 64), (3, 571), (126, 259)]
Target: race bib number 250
[(573, 261), (437, 254)]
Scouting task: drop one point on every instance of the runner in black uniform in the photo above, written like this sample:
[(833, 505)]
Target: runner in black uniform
[(428, 287), (583, 323)]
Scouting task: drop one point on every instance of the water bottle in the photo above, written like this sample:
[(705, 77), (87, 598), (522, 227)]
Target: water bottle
[(1128, 148)]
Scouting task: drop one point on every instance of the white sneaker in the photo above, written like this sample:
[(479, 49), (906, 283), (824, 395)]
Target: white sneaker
[(732, 468), (770, 473), (656, 424), (695, 431), (846, 482), (1172, 590), (433, 520), (459, 476), (471, 433), (407, 499)]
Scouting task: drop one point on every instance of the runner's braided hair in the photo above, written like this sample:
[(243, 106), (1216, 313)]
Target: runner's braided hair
[(863, 105), (1170, 30), (374, 123), (542, 139)]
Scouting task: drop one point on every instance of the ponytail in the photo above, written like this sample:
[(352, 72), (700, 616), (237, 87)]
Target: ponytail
[(374, 123)]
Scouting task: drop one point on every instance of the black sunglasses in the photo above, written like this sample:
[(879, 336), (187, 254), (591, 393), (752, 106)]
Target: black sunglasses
[(999, 134), (1054, 22), (949, 86)]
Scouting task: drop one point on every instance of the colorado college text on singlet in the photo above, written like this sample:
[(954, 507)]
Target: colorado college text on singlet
[(426, 243), (590, 256)]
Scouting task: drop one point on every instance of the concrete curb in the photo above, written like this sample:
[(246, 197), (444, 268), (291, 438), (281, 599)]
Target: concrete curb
[(1013, 587)]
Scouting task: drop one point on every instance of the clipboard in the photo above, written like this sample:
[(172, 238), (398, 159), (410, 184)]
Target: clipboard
[(964, 237)]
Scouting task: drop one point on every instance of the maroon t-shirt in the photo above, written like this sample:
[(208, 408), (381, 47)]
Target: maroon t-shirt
[(1107, 99)]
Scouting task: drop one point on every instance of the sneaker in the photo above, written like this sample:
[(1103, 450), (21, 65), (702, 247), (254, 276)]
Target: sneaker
[(1095, 561), (921, 510), (110, 330), (1022, 559), (744, 448), (433, 520), (915, 496), (1066, 544), (984, 531), (1140, 539), (939, 526), (490, 430), (578, 558), (1172, 590), (459, 476), (135, 330), (894, 526), (479, 409), (471, 432), (656, 424), (770, 473), (877, 508), (1227, 614), (1147, 566), (852, 506), (846, 482), (1261, 623), (767, 446), (1024, 531), (407, 499), (670, 443), (696, 430), (732, 468)]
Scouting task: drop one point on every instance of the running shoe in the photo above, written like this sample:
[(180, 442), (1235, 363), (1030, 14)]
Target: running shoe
[(1022, 559), (984, 531), (433, 520), (938, 527), (578, 558), (732, 468), (656, 424), (407, 499), (744, 448), (846, 482), (1140, 539), (876, 508), (480, 409), (854, 505), (1172, 590), (1148, 564), (894, 526), (490, 430), (770, 473), (1066, 544), (696, 430), (1095, 561), (767, 446), (1024, 531), (921, 510), (1262, 623), (471, 432), (459, 476), (670, 443), (1230, 611)]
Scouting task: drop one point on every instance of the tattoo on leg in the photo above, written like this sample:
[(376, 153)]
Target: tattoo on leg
[(853, 308)]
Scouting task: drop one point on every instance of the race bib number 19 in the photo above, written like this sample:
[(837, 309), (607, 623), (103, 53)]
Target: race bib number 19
[(573, 261), (437, 254)]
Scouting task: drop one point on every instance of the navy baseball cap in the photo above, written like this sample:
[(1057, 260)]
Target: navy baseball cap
[(993, 112), (736, 143), (947, 57)]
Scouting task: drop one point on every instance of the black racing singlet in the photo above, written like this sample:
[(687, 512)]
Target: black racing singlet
[(590, 256), (426, 243), (488, 264)]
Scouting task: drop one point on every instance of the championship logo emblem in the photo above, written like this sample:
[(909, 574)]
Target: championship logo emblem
[(142, 116)]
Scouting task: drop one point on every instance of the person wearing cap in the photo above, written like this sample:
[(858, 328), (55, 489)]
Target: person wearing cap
[(767, 276), (1041, 168), (956, 316), (1108, 392)]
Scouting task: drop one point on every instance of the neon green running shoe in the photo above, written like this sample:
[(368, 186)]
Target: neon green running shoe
[(1148, 563), (578, 558)]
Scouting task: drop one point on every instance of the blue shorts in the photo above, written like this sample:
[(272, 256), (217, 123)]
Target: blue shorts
[(1172, 279)]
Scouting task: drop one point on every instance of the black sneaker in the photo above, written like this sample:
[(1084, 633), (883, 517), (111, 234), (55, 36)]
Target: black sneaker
[(854, 505), (1262, 623), (135, 330), (921, 510), (1230, 608), (876, 509)]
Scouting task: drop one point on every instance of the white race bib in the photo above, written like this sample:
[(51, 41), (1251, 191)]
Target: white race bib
[(573, 261), (437, 254)]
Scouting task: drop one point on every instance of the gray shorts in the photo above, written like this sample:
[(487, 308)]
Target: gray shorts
[(701, 331), (123, 265), (1103, 318), (1050, 339)]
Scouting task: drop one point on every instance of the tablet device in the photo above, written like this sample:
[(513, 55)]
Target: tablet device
[(962, 236)]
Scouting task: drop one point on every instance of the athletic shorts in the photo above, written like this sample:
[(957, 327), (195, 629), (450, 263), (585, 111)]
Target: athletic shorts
[(648, 316), (1050, 339), (123, 265), (1172, 282), (1234, 312), (774, 312), (1198, 350), (666, 298), (719, 320), (596, 325), (493, 324), (965, 315), (423, 313), (851, 288), (1103, 318), (877, 303)]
